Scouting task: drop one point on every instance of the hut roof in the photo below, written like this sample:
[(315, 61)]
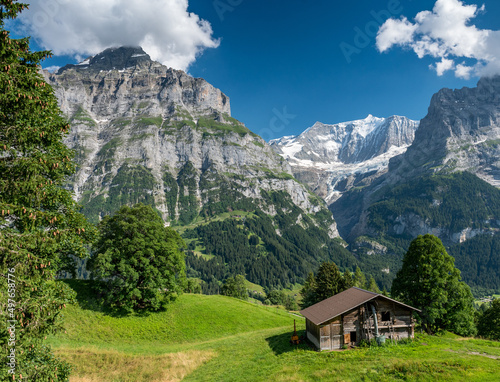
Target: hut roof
[(341, 303)]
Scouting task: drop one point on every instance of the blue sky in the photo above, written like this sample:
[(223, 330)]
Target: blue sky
[(288, 60)]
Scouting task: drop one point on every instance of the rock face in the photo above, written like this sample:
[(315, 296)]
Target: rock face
[(332, 159), (143, 132), (444, 184), (461, 132)]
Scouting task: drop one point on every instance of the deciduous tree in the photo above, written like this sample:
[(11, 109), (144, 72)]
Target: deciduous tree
[(489, 322), (235, 287), (137, 260)]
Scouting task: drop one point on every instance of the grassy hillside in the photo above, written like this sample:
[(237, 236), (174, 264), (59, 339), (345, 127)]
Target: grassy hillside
[(214, 338), (191, 318)]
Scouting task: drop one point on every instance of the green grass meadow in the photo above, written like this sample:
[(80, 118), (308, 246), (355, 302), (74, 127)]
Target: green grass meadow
[(217, 338)]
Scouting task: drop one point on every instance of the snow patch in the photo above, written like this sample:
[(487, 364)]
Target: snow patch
[(85, 62), (291, 149)]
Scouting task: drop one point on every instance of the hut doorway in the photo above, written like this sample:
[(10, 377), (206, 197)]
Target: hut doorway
[(350, 338), (353, 338)]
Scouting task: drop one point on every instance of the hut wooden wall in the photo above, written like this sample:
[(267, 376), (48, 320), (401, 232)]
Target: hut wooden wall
[(399, 325), (331, 334), (312, 333)]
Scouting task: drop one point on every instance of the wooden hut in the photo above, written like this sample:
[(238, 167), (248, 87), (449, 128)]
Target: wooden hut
[(356, 314)]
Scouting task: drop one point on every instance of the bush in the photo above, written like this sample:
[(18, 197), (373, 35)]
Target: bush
[(489, 322), (235, 287)]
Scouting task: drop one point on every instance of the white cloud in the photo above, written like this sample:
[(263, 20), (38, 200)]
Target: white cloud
[(53, 68), (446, 34), (443, 66), (463, 71), (164, 28), (395, 32)]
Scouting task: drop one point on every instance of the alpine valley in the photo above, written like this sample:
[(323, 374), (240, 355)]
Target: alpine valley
[(146, 133), (442, 181)]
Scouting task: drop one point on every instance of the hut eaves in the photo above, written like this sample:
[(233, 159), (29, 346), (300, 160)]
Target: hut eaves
[(341, 303)]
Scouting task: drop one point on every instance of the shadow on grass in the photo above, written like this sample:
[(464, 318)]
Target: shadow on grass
[(280, 343), (88, 299)]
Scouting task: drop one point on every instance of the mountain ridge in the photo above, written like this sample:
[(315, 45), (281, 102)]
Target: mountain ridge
[(444, 184), (151, 134), (334, 158)]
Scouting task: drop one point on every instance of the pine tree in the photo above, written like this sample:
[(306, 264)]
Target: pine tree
[(329, 281), (372, 285), (308, 291), (348, 280), (40, 223), (359, 279)]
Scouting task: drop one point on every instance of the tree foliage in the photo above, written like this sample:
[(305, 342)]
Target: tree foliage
[(279, 297), (192, 286), (359, 279), (372, 285), (327, 283), (428, 280), (235, 287), (489, 322), (40, 223), (308, 291), (348, 280), (137, 260)]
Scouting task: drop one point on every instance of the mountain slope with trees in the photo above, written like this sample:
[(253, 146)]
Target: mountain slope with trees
[(444, 184), (145, 133)]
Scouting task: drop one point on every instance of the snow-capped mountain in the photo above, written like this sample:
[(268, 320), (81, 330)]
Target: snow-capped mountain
[(334, 158)]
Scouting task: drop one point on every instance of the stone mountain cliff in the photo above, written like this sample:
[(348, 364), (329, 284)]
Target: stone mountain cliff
[(461, 132), (143, 132), (444, 184)]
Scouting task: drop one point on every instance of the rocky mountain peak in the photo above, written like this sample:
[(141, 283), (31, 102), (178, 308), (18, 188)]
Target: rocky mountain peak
[(460, 132), (489, 85), (113, 59), (119, 80), (143, 132), (334, 158)]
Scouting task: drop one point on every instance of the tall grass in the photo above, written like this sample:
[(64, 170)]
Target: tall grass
[(92, 365)]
